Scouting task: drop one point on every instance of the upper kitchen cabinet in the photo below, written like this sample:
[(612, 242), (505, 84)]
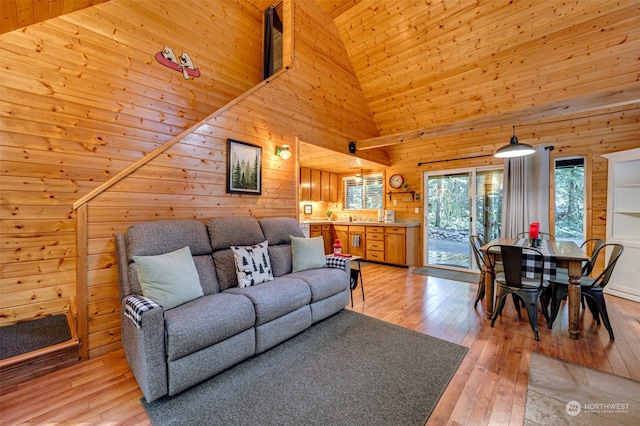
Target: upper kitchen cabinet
[(318, 185)]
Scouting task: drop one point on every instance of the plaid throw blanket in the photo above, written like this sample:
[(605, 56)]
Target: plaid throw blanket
[(135, 306), (532, 266), (337, 262)]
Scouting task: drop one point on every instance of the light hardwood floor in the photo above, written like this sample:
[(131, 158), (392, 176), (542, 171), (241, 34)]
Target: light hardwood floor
[(489, 388)]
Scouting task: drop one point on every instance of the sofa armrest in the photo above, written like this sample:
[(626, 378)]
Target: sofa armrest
[(338, 262), (143, 340)]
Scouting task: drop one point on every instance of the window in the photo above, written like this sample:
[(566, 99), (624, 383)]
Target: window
[(366, 194), (273, 39), (569, 199)]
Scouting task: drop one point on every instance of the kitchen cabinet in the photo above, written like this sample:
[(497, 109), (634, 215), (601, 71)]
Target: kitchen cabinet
[(375, 243), (357, 240), (395, 245), (623, 221), (327, 236), (325, 186), (305, 184), (352, 239), (401, 245), (315, 231), (318, 185), (326, 233), (341, 232), (333, 188)]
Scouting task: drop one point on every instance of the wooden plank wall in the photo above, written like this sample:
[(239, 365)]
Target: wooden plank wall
[(92, 101), (82, 98), (587, 137)]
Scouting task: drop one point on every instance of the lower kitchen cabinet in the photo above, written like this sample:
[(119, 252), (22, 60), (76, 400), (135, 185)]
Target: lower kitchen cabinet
[(352, 239), (326, 233), (395, 246), (375, 243), (327, 236)]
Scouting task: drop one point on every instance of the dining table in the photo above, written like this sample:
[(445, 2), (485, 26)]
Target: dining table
[(567, 254)]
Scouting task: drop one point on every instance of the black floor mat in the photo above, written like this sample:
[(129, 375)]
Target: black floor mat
[(27, 336)]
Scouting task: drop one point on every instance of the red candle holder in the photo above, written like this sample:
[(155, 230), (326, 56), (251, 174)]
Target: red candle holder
[(534, 230)]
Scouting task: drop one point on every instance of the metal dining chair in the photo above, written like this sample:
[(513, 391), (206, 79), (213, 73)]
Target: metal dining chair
[(591, 246), (562, 274), (482, 238), (591, 289), (543, 235), (513, 281), (476, 242)]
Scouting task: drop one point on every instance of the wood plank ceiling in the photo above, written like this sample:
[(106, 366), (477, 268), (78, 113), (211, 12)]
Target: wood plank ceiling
[(413, 71), (16, 14)]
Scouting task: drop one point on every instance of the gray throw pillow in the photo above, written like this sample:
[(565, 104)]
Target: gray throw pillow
[(169, 279), (307, 253)]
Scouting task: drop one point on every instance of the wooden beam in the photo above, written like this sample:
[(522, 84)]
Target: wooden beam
[(600, 101)]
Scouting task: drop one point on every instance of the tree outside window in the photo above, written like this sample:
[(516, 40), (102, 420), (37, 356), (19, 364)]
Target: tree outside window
[(366, 194)]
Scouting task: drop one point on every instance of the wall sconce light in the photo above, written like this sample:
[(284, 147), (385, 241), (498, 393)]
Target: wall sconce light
[(359, 177), (514, 149), (283, 152)]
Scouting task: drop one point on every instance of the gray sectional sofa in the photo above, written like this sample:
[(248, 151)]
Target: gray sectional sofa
[(222, 324)]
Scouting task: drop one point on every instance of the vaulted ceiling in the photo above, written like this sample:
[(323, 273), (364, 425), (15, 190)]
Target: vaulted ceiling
[(16, 14), (414, 60)]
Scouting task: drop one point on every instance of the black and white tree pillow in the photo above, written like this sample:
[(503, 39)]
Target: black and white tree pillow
[(252, 264)]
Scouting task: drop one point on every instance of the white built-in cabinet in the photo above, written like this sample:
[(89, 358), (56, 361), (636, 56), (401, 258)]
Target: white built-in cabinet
[(623, 221)]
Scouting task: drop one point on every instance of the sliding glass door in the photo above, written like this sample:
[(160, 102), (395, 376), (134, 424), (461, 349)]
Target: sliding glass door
[(460, 203), (488, 203)]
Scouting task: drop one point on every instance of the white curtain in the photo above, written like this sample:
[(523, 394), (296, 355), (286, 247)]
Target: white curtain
[(525, 196)]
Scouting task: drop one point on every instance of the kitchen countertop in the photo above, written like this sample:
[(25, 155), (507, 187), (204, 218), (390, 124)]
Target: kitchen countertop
[(361, 223)]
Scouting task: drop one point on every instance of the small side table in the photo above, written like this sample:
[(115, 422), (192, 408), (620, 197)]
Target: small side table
[(356, 274)]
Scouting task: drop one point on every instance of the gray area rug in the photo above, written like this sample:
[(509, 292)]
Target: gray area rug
[(564, 393), (349, 369), (467, 277), (27, 336)]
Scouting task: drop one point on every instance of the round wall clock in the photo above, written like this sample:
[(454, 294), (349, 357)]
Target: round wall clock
[(396, 181)]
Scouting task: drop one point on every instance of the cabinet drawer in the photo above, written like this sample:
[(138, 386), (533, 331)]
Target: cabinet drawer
[(375, 255), (315, 228), (356, 228), (378, 236), (326, 227), (395, 230), (375, 229), (375, 245)]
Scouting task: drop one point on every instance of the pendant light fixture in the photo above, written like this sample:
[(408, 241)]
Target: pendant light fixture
[(514, 149)]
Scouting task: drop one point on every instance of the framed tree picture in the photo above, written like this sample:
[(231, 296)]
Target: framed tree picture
[(244, 168)]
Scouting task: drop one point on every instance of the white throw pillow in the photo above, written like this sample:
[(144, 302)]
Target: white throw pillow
[(169, 279), (307, 253), (253, 265)]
